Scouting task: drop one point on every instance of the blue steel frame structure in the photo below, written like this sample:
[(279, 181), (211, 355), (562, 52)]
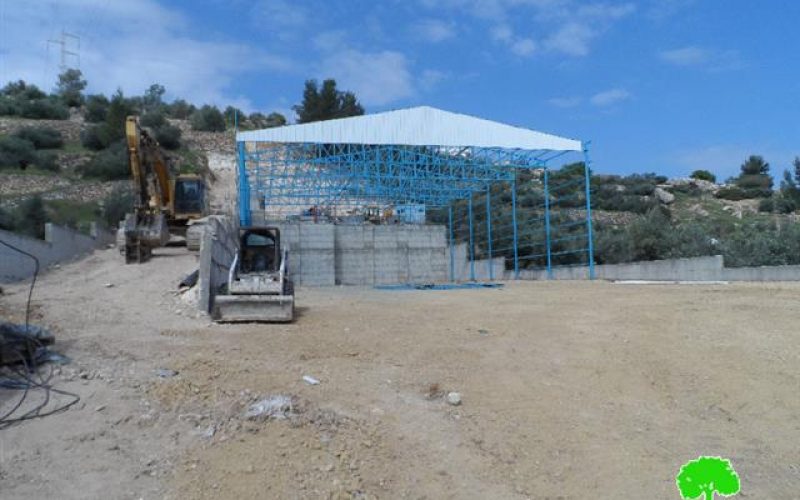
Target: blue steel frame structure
[(338, 178)]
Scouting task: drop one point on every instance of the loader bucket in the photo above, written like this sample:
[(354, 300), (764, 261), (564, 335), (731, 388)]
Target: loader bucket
[(253, 308)]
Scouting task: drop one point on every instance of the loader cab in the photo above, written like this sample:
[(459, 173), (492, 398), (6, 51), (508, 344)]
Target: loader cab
[(260, 250)]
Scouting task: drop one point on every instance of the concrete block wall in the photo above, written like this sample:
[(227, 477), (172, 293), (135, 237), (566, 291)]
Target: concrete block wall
[(328, 254), (61, 244)]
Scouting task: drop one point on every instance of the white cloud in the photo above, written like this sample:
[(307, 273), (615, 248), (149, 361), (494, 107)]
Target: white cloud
[(502, 33), (279, 17), (431, 78), (523, 47), (565, 102), (660, 10), (129, 45), (566, 27), (434, 30), (687, 56), (377, 78), (709, 59), (572, 39), (610, 97)]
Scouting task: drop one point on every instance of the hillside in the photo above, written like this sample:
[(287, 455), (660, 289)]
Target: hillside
[(70, 196)]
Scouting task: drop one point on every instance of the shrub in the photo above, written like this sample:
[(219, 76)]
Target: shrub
[(46, 161), (733, 193), (784, 205), (109, 164), (8, 106), (22, 91), (96, 137), (41, 137), (96, 108), (16, 152), (756, 185), (180, 109), (30, 217), (153, 120), (118, 203), (208, 119), (703, 175), (44, 109), (766, 205), (6, 220), (169, 136), (613, 246)]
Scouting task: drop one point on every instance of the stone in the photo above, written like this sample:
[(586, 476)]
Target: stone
[(453, 398), (664, 196)]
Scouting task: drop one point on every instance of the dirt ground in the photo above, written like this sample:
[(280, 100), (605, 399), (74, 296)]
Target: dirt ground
[(571, 390)]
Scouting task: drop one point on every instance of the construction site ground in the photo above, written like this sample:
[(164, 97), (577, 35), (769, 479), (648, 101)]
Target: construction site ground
[(571, 390)]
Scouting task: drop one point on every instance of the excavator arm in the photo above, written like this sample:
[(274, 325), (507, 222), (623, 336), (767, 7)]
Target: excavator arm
[(149, 169), (146, 228)]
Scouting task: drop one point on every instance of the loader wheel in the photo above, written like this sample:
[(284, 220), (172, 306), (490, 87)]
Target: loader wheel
[(288, 287)]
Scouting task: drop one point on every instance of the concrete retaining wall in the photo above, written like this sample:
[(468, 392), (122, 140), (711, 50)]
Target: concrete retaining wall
[(710, 268), (61, 244), (218, 247), (463, 270), (765, 273)]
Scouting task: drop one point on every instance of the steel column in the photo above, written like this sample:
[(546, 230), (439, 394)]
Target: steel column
[(514, 222), (471, 243), (244, 188), (489, 229), (452, 248), (547, 223), (589, 236)]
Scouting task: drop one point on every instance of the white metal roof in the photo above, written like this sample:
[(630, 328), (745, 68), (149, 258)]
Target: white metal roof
[(420, 126)]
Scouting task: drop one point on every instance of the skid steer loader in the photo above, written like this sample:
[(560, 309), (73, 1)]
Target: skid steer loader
[(259, 289)]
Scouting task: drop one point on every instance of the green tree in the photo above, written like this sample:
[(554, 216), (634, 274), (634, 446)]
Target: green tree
[(703, 175), (169, 136), (755, 165), (119, 108), (705, 476), (260, 120), (70, 87), (208, 119), (180, 109), (755, 180), (153, 97), (796, 165), (326, 103), (96, 108), (234, 116)]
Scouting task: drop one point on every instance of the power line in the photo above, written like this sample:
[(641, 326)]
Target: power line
[(70, 48)]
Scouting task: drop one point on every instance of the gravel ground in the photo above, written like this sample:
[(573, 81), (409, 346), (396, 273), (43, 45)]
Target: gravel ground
[(569, 390)]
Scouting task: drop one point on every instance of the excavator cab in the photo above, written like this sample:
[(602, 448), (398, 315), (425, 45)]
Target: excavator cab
[(190, 196)]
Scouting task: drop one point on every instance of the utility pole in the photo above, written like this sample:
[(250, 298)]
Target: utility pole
[(69, 47)]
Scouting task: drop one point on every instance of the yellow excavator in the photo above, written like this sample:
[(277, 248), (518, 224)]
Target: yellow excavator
[(163, 203)]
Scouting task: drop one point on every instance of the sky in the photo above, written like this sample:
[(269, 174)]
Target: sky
[(666, 86)]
